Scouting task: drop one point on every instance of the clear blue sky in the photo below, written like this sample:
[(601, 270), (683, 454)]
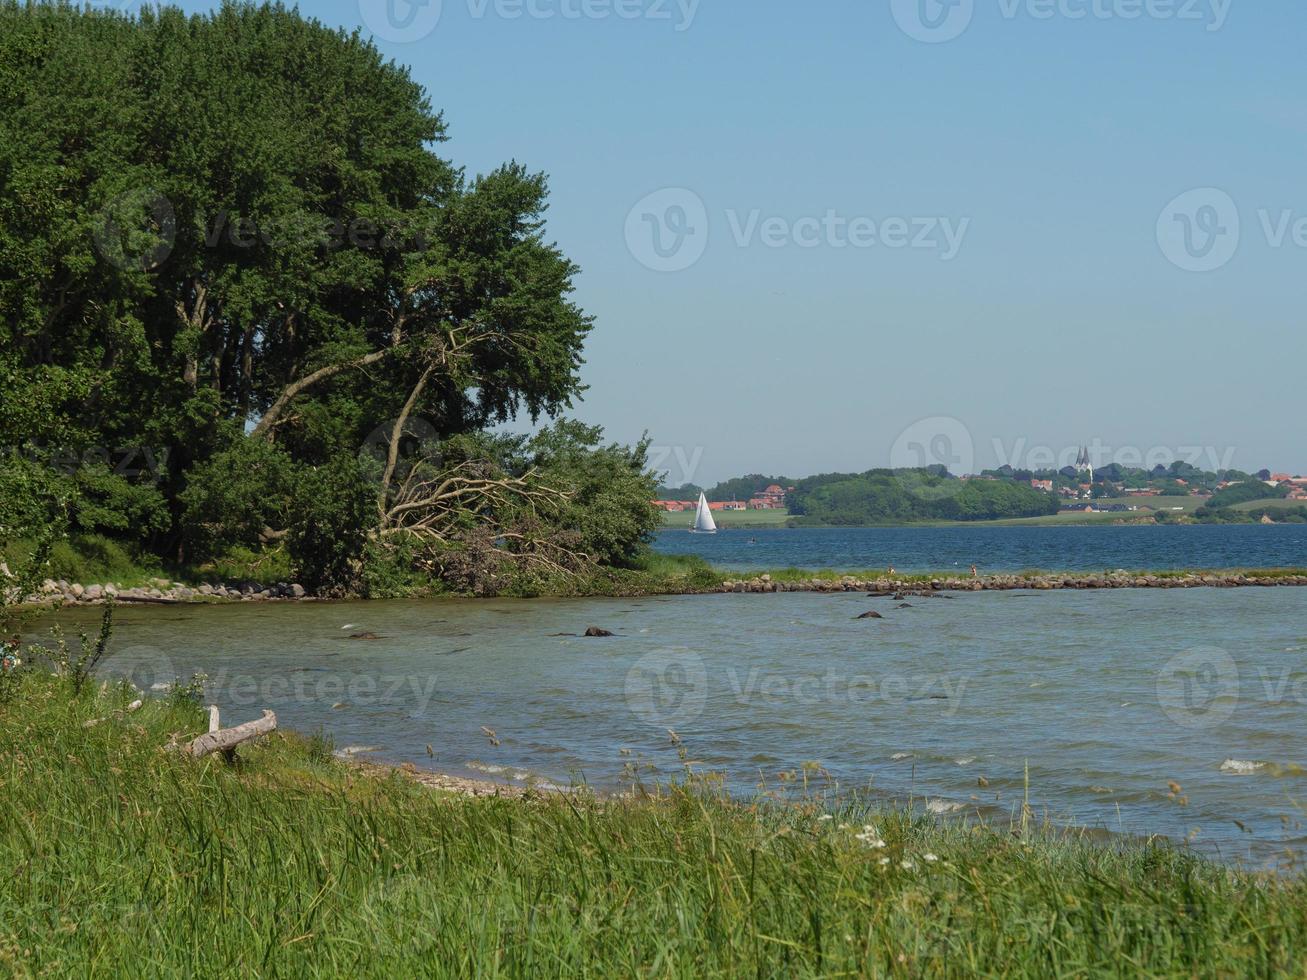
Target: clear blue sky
[(1055, 142)]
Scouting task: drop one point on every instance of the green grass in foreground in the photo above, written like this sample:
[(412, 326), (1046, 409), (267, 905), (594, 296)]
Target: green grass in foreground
[(123, 860)]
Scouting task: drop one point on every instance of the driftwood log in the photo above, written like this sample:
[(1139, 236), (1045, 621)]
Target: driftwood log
[(225, 740)]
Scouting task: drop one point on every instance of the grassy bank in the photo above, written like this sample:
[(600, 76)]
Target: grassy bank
[(123, 859), (729, 519), (93, 559)]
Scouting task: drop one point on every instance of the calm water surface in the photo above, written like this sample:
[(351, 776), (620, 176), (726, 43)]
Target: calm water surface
[(995, 549), (1106, 696)]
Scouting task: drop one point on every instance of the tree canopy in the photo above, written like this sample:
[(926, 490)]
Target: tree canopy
[(229, 228)]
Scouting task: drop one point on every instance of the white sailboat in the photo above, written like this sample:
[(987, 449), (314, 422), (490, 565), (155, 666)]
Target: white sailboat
[(703, 522)]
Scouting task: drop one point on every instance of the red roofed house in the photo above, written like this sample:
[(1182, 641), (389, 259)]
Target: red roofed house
[(773, 498)]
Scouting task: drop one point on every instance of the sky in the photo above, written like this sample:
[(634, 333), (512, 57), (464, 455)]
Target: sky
[(838, 235)]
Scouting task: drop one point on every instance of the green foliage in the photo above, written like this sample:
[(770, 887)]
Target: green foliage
[(93, 497), (236, 496), (194, 242), (335, 507), (107, 502), (240, 564), (608, 489), (31, 497), (905, 496), (1243, 492)]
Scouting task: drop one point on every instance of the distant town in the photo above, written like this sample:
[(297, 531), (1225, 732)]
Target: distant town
[(771, 497), (1081, 488)]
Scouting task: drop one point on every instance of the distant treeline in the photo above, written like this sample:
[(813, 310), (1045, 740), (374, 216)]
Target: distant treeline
[(884, 496)]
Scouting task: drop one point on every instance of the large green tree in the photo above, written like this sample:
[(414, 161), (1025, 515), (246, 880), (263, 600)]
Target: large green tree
[(236, 226)]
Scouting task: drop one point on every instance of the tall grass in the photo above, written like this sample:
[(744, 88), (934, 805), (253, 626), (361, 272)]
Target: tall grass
[(122, 859)]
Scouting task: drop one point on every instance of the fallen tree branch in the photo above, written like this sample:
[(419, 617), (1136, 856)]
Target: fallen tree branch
[(225, 740)]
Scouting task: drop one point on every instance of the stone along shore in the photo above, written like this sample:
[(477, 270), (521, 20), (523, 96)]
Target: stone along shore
[(1005, 583), (162, 591), (165, 592)]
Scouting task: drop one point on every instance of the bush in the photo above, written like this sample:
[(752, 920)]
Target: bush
[(236, 497), (334, 509)]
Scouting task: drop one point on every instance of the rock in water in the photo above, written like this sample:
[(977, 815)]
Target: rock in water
[(596, 631), (871, 615), (364, 636)]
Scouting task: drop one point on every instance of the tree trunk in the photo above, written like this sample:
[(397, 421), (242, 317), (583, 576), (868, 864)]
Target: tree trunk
[(226, 739)]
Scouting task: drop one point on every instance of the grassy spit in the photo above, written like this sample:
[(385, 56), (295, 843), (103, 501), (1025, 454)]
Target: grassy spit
[(122, 859)]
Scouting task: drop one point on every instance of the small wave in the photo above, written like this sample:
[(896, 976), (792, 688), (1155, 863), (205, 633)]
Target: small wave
[(944, 806), (488, 768), (900, 756), (1238, 767), (353, 750), (965, 760)]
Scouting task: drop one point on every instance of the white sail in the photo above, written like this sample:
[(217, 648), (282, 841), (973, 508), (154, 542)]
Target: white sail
[(703, 522)]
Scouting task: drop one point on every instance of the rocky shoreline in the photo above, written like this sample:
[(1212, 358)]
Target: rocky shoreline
[(890, 587), (166, 592), (163, 592)]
